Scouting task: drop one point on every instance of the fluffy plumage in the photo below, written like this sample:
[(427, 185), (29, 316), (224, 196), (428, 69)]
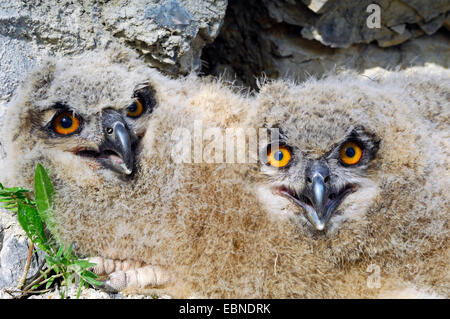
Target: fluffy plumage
[(222, 239), (91, 199), (135, 218), (396, 217), (203, 229)]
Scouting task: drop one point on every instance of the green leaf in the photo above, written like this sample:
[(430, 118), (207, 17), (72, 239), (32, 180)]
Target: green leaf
[(83, 263), (9, 206), (43, 273), (31, 222), (49, 282), (91, 281), (60, 251), (15, 190), (79, 288), (44, 192), (69, 251), (90, 277), (89, 274), (50, 260)]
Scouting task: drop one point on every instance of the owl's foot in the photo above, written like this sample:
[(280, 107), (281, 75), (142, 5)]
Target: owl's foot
[(129, 275)]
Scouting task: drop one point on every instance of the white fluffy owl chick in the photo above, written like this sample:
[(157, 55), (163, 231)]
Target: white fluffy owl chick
[(102, 124), (83, 119), (362, 168)]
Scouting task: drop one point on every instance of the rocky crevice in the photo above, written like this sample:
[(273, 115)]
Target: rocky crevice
[(301, 38)]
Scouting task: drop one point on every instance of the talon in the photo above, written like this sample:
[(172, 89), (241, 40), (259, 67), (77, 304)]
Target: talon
[(107, 287)]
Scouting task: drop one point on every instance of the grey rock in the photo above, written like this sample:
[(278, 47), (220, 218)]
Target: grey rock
[(318, 6), (86, 293), (397, 12), (429, 9), (433, 25), (400, 29), (289, 12), (447, 22), (174, 16), (286, 38), (17, 57), (169, 34), (394, 38), (2, 150), (340, 24), (14, 251), (343, 24)]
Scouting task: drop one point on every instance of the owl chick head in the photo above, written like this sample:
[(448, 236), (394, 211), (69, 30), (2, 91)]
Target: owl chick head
[(334, 150), (81, 116)]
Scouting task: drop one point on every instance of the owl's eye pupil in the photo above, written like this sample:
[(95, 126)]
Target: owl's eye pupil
[(350, 152), (66, 122), (278, 155), (133, 107)]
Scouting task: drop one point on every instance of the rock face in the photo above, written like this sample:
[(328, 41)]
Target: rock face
[(274, 37), (309, 37), (14, 251), (343, 24), (170, 34)]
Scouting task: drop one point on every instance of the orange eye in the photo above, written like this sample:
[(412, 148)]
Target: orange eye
[(350, 153), (66, 123), (279, 157), (135, 109)]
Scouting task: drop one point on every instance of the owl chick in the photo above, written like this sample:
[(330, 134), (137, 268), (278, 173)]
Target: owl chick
[(336, 208), (361, 167), (83, 118), (102, 124)]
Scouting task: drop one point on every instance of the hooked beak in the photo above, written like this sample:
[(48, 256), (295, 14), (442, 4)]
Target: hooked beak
[(319, 199), (116, 150), (318, 214)]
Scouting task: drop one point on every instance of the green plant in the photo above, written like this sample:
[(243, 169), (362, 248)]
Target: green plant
[(35, 217)]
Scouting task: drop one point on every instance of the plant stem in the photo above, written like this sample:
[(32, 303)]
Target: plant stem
[(46, 280), (36, 291), (38, 280), (27, 267)]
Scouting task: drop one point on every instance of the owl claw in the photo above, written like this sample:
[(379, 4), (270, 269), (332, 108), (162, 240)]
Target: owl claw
[(129, 274), (107, 287)]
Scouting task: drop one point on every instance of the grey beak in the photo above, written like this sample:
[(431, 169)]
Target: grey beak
[(317, 192), (319, 198), (118, 143)]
